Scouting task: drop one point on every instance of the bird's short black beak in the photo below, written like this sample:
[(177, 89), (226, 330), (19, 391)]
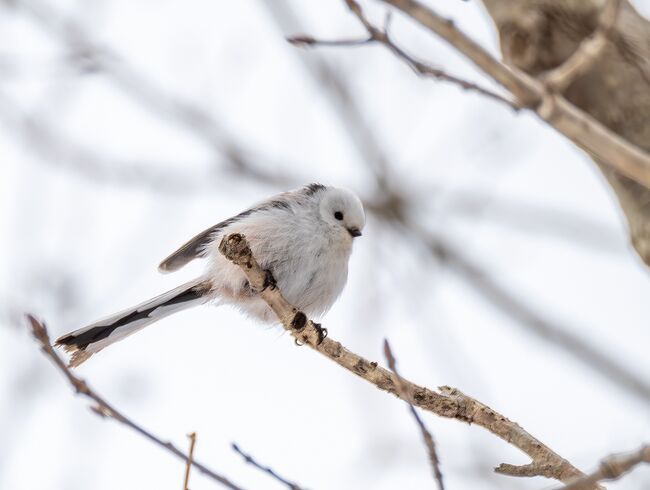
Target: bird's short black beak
[(355, 232)]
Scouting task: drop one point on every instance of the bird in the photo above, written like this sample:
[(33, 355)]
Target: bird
[(303, 237)]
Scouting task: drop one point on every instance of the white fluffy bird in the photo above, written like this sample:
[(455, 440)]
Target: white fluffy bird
[(303, 237)]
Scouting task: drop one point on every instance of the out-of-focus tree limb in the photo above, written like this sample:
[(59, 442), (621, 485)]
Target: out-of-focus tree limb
[(588, 52), (55, 149), (91, 56), (403, 391), (556, 334), (104, 409), (614, 150), (611, 468), (449, 402), (269, 471), (381, 36), (542, 37)]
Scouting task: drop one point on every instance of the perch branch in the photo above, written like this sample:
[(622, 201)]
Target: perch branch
[(250, 460), (426, 435), (575, 124), (104, 409), (611, 468), (449, 402)]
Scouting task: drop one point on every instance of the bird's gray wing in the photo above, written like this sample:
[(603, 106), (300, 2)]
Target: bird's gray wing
[(191, 249)]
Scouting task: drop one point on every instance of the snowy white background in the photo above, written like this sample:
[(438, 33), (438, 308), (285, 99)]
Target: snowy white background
[(76, 245)]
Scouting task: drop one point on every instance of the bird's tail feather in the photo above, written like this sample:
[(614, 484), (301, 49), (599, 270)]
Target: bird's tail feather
[(89, 340)]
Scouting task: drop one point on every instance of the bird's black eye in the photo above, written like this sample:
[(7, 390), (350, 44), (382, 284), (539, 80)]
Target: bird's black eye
[(338, 215)]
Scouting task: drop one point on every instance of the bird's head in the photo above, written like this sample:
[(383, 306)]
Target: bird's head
[(343, 211)]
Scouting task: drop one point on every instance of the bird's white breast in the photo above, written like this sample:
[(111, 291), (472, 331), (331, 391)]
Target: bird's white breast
[(309, 263)]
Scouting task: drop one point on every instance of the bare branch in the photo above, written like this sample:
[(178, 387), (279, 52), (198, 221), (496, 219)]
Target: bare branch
[(402, 388), (249, 459), (190, 455), (585, 131), (419, 67), (104, 409), (588, 52), (611, 468), (450, 403), (90, 55)]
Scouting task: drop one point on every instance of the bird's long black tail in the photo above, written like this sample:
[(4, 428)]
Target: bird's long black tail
[(89, 340)]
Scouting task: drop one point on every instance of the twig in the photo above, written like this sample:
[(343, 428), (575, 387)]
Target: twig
[(426, 435), (249, 459), (589, 50), (611, 468), (585, 131), (450, 402), (104, 409), (423, 69), (188, 466)]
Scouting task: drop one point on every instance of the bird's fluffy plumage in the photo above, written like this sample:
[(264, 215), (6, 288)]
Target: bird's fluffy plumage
[(304, 237)]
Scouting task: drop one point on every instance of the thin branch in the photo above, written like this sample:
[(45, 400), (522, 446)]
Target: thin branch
[(249, 459), (585, 131), (419, 67), (402, 388), (449, 402), (611, 468), (588, 52), (190, 455), (104, 409)]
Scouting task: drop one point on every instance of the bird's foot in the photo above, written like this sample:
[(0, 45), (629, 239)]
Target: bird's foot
[(322, 332), (269, 280), (300, 321)]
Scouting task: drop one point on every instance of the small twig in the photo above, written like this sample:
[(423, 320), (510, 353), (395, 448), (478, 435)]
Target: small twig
[(249, 459), (449, 402), (376, 35), (426, 435), (588, 52), (190, 454), (611, 468), (104, 409)]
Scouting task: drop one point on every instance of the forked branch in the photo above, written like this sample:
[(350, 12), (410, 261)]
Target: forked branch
[(449, 402)]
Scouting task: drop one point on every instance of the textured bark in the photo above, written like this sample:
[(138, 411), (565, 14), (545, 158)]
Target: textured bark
[(449, 402), (539, 35)]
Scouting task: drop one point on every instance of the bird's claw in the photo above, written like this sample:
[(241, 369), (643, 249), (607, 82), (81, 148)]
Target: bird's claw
[(269, 280), (322, 332)]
